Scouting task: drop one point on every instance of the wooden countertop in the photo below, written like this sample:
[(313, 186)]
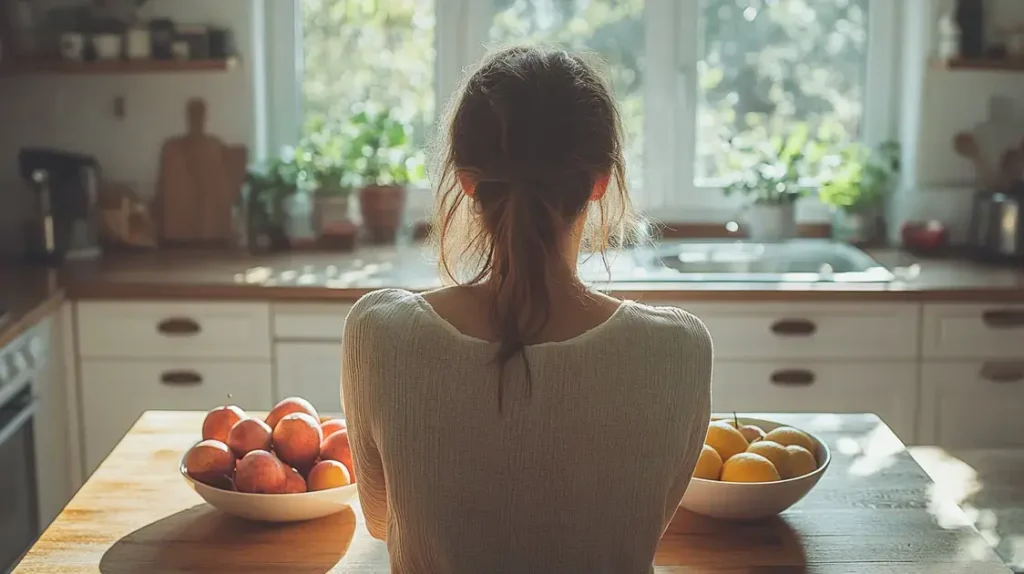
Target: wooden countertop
[(319, 276), (988, 484), (875, 510)]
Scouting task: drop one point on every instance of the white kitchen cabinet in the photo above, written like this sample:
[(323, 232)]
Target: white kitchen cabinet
[(309, 321), (755, 331), (885, 388), (972, 404), (312, 371), (114, 393), (973, 331), (181, 329), (54, 461)]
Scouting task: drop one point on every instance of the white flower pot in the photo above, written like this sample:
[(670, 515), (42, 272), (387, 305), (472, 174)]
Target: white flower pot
[(771, 222)]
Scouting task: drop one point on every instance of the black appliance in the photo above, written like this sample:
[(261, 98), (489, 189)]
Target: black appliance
[(996, 231), (19, 496), (65, 187)]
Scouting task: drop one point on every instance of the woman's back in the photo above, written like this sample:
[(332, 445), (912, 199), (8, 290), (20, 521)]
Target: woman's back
[(579, 474)]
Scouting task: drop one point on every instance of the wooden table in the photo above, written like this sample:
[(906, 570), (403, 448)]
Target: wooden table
[(988, 484), (875, 510)]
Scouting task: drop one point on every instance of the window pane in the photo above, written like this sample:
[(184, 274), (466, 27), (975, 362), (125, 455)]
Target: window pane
[(612, 29), (769, 64), (381, 52)]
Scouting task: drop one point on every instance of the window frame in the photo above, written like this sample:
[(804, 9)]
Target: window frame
[(670, 95)]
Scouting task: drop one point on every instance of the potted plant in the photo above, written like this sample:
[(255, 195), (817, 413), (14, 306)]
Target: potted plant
[(857, 187), (379, 159), (321, 157), (772, 172), (268, 188)]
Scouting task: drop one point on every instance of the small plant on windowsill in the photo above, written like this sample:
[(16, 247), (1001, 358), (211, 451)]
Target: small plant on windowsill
[(268, 188), (856, 186), (381, 162), (321, 156), (772, 172)]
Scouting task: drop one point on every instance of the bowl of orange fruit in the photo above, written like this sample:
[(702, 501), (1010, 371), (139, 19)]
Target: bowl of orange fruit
[(752, 468), (289, 466)]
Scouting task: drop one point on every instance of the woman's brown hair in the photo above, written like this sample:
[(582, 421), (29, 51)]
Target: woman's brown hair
[(534, 129)]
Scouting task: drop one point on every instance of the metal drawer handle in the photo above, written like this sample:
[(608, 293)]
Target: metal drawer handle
[(181, 378), (1003, 318), (1003, 372), (179, 326), (794, 327), (793, 378)]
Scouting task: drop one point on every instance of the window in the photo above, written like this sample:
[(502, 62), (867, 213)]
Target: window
[(690, 76)]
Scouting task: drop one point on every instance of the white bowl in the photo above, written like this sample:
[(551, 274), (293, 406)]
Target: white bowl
[(753, 500), (274, 507)]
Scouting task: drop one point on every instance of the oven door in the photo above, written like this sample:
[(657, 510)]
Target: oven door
[(19, 503)]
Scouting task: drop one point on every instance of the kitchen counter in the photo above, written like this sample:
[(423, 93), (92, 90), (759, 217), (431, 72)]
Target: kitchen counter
[(875, 510), (27, 295), (319, 276)]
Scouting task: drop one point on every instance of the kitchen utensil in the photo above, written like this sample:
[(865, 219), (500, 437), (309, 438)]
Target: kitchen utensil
[(198, 184), (107, 46), (996, 230), (753, 500), (967, 146), (274, 507)]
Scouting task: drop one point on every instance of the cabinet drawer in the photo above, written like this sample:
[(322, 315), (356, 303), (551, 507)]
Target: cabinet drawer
[(972, 331), (311, 371), (167, 330), (310, 321), (116, 393), (972, 404), (887, 389), (812, 331)]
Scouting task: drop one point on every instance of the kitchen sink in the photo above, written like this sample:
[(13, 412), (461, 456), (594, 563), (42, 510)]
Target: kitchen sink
[(795, 261)]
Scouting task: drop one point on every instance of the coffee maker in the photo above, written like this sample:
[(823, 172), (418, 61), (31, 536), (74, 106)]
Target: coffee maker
[(65, 187)]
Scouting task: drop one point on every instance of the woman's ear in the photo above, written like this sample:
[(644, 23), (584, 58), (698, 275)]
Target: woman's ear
[(600, 187), (467, 183)]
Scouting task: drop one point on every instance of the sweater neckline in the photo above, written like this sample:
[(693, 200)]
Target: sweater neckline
[(582, 337)]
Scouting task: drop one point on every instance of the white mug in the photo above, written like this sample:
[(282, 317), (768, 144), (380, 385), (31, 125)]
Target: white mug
[(72, 45), (108, 46)]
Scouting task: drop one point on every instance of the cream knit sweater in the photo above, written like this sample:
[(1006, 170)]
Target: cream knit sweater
[(583, 476)]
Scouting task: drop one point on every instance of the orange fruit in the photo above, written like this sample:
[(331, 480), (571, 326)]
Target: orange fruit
[(788, 436), (336, 447), (725, 439), (709, 464), (801, 461), (328, 474), (209, 462), (297, 439), (260, 472), (218, 422), (289, 406), (774, 452), (248, 435), (332, 426), (749, 467), (293, 482)]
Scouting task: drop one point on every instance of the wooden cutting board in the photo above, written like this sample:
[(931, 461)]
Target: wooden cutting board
[(200, 178)]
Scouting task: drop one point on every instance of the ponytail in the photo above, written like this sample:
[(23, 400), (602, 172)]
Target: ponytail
[(526, 231)]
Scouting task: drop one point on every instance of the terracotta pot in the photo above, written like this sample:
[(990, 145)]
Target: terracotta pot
[(383, 207), (329, 210)]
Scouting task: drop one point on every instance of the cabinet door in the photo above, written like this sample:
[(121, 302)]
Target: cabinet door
[(887, 389), (973, 331), (116, 393), (53, 450), (311, 371), (972, 404)]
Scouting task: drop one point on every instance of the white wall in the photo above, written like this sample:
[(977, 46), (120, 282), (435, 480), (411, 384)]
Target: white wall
[(77, 112)]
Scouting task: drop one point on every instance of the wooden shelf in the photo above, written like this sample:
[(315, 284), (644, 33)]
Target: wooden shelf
[(1010, 64), (114, 67)]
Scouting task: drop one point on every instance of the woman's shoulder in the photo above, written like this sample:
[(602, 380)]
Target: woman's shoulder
[(383, 307), (672, 324)]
